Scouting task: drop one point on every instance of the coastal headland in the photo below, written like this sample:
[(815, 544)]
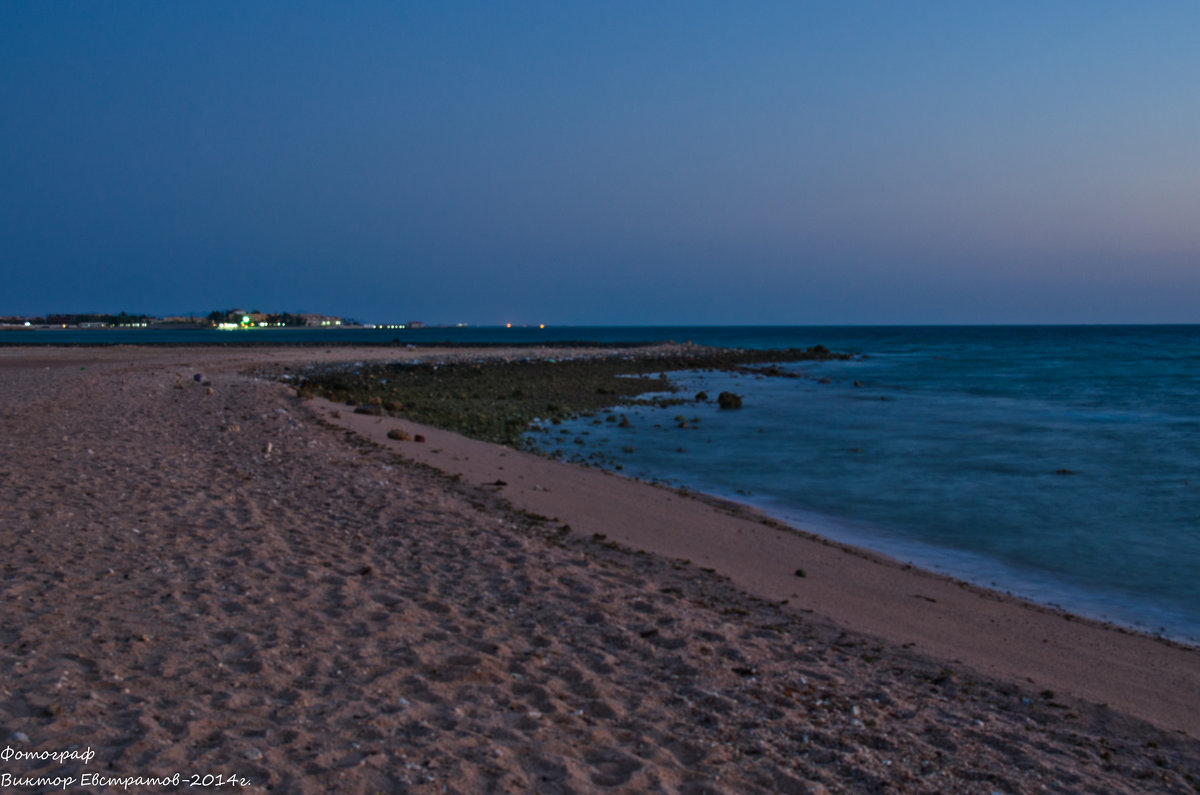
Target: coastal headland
[(212, 571)]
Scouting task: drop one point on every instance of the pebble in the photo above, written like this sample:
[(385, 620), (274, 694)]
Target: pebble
[(20, 737)]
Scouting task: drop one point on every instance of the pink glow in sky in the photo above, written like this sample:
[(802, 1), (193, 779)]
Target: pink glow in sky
[(643, 163)]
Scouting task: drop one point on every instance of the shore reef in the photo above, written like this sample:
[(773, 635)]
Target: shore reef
[(210, 572), (497, 398)]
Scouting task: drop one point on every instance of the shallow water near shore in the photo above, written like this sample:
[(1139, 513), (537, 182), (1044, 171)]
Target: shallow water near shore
[(1061, 464), (1058, 464)]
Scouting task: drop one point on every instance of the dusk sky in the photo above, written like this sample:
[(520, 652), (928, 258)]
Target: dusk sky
[(604, 163)]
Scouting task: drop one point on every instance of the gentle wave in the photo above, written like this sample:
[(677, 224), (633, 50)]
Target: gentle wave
[(1061, 465)]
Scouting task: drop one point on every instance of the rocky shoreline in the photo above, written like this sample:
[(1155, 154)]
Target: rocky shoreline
[(497, 399), (222, 579)]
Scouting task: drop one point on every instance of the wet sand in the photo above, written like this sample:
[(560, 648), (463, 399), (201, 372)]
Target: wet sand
[(226, 579)]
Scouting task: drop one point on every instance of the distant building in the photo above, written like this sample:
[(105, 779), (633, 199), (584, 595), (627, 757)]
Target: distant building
[(318, 321)]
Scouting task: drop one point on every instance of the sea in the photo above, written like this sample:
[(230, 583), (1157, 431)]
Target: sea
[(1056, 463)]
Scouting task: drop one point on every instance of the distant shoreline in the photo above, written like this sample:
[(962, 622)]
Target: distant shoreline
[(244, 343)]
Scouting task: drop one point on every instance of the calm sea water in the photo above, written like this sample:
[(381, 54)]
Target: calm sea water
[(1058, 463)]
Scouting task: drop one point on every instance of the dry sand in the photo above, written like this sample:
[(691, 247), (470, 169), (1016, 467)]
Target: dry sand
[(237, 582)]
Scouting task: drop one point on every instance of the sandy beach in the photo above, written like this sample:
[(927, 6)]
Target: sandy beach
[(207, 575)]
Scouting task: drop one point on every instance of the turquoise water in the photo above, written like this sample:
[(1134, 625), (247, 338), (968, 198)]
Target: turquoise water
[(1058, 463)]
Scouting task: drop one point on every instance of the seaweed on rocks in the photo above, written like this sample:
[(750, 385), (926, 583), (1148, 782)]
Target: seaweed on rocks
[(497, 400)]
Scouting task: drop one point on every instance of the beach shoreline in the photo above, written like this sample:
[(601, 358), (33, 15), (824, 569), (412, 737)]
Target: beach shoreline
[(528, 405), (995, 633), (468, 637)]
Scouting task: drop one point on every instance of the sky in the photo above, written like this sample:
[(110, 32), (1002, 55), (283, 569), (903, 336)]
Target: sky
[(604, 163)]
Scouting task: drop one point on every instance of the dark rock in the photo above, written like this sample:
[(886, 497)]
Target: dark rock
[(399, 434), (499, 401), (701, 396), (728, 400), (374, 411)]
